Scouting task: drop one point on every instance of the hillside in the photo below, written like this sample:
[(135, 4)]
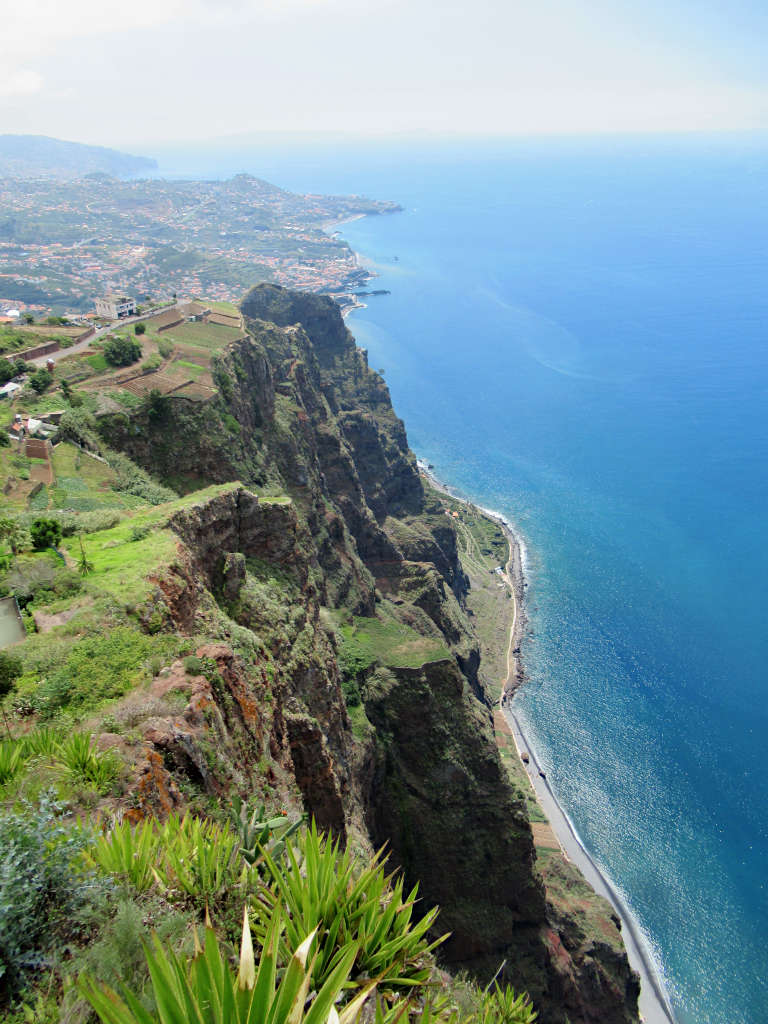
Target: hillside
[(275, 608), (31, 156)]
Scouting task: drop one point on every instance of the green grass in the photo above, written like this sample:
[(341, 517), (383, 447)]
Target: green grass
[(84, 484), (98, 362), (207, 336), (194, 369), (120, 565), (374, 641), (220, 306)]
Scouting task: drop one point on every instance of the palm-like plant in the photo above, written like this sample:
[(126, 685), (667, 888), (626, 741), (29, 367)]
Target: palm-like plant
[(208, 991), (344, 900)]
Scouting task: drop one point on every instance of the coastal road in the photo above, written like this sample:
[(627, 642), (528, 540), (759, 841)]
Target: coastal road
[(654, 1004)]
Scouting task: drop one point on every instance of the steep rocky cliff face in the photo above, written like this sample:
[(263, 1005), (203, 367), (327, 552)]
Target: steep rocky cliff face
[(379, 742)]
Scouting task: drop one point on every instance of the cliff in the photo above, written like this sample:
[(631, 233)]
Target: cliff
[(324, 597)]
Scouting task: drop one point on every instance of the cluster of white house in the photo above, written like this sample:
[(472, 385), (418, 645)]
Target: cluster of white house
[(115, 307)]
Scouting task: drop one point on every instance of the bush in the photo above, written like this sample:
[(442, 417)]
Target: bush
[(231, 423), (5, 441), (41, 380), (11, 668), (6, 370), (153, 363), (43, 889), (121, 351), (164, 347), (78, 426), (139, 532), (193, 666), (30, 577), (139, 329), (45, 533), (134, 480), (96, 668)]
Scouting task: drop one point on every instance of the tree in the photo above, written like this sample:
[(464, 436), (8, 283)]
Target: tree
[(140, 329), (41, 380), (45, 533), (66, 389), (121, 351), (28, 318), (83, 563), (11, 668), (13, 533)]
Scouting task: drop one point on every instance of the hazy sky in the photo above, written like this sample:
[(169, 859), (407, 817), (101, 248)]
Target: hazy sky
[(146, 70)]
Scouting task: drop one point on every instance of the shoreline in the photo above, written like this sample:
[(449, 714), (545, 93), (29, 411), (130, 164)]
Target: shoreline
[(654, 1004)]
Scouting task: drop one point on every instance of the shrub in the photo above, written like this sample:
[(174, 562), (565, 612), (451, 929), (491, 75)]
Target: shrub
[(78, 426), (157, 405), (155, 664), (43, 888), (139, 532), (139, 329), (153, 363), (134, 480), (96, 668), (193, 666), (164, 347), (231, 423), (45, 533), (41, 380), (10, 669), (121, 351), (5, 441)]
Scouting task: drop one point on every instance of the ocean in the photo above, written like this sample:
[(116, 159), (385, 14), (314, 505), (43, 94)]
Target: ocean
[(577, 337)]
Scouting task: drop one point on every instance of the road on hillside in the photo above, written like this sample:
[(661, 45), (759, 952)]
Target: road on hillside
[(81, 346)]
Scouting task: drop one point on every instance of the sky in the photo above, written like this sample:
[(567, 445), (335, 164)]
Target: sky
[(148, 71)]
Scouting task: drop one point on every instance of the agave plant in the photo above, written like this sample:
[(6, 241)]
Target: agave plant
[(129, 853), (200, 857), (505, 1006), (77, 754), (208, 991), (187, 857), (12, 757), (345, 900), (44, 741), (258, 833)]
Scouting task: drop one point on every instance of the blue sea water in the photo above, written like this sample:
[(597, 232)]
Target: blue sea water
[(577, 336)]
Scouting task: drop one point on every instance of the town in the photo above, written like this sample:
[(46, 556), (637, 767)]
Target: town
[(63, 243)]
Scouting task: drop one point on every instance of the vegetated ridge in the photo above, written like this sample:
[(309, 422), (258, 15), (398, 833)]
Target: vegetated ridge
[(320, 586), (33, 155)]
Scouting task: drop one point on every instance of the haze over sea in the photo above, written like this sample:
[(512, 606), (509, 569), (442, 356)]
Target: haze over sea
[(577, 336)]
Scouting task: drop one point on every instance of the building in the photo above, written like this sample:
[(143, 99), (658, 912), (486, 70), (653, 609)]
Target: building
[(115, 307)]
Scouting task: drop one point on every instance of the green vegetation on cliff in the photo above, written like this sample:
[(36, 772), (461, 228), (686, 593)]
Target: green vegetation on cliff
[(295, 632)]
